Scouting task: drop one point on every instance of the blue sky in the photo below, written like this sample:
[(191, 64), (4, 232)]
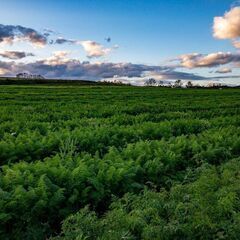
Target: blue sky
[(148, 32)]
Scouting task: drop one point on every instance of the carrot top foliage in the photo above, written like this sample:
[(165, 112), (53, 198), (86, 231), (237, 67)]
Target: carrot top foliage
[(119, 162)]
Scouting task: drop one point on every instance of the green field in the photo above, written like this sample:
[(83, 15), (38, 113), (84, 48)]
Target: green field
[(119, 162)]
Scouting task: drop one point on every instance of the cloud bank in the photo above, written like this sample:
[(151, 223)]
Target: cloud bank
[(60, 66)]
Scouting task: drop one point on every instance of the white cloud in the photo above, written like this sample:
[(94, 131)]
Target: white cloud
[(236, 43), (228, 26), (3, 71), (224, 70), (59, 57), (94, 49)]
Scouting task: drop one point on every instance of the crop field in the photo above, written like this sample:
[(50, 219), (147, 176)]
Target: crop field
[(119, 162)]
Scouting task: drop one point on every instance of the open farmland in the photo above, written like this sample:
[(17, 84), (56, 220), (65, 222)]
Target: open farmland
[(119, 162)]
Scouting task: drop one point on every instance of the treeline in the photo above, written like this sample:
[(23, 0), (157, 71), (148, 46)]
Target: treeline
[(41, 80), (149, 82), (186, 84), (15, 80)]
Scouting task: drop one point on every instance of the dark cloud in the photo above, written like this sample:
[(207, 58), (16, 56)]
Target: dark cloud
[(8, 33), (108, 39), (61, 40), (94, 71), (48, 32), (15, 54)]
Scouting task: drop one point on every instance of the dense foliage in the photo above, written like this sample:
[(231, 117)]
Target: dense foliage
[(104, 162)]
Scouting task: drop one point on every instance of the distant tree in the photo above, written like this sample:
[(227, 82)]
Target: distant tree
[(189, 84), (39, 76), (214, 85), (169, 85), (19, 75), (198, 86), (29, 76), (150, 82), (115, 82), (210, 85), (22, 75), (178, 83), (160, 83)]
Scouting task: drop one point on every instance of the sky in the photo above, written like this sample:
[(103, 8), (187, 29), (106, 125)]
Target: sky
[(127, 40)]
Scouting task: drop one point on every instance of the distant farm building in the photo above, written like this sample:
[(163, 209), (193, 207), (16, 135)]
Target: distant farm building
[(29, 76)]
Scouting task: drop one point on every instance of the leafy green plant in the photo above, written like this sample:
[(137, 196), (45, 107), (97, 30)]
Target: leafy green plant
[(118, 162)]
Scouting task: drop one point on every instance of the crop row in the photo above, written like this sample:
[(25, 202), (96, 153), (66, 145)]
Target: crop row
[(36, 197), (207, 208)]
